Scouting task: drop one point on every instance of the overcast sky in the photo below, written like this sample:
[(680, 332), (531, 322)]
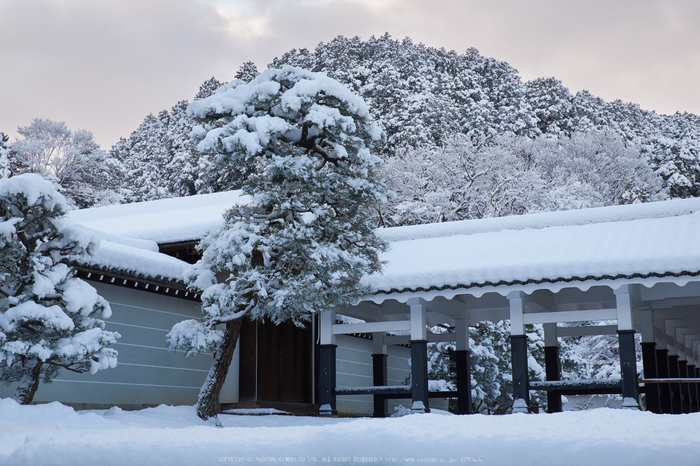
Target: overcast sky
[(103, 65)]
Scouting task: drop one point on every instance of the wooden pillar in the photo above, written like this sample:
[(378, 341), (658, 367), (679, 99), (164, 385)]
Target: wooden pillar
[(692, 386), (675, 388), (379, 373), (628, 368), (649, 364), (649, 353), (552, 363), (464, 383), (685, 388), (518, 346), (419, 357), (628, 359), (664, 389), (326, 365)]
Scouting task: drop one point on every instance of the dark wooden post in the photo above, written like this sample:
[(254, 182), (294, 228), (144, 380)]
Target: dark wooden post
[(464, 383), (326, 380), (518, 351), (379, 376), (628, 368), (685, 389), (462, 363), (521, 394), (675, 388), (553, 373), (692, 386), (664, 389), (651, 372), (552, 363), (419, 376)]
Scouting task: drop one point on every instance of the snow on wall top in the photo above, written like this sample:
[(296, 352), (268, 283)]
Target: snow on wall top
[(620, 241), (164, 220)]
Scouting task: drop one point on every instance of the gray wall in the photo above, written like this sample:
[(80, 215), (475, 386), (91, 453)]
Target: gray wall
[(147, 373)]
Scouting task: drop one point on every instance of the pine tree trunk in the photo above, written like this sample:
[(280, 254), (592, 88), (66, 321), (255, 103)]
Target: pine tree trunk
[(207, 404), (29, 383)]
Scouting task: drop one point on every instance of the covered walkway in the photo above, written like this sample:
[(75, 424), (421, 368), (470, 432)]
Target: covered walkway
[(635, 267)]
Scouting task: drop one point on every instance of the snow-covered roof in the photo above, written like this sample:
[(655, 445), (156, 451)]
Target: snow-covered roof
[(163, 221), (641, 240), (135, 262), (633, 241)]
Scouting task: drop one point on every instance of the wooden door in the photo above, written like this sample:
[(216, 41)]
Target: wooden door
[(276, 363)]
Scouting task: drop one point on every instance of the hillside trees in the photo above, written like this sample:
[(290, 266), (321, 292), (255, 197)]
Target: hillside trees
[(305, 240), (72, 160), (49, 319), (423, 96), (460, 179)]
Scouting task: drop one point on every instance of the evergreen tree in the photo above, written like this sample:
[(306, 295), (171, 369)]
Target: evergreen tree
[(305, 240), (207, 88), (247, 72), (145, 156), (553, 106), (184, 165), (5, 168), (49, 319), (675, 155)]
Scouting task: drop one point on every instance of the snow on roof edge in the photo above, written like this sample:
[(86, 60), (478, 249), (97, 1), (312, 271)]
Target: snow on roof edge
[(135, 262), (537, 281), (504, 289)]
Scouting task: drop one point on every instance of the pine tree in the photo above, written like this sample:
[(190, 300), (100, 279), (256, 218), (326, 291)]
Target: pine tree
[(49, 319), (305, 240)]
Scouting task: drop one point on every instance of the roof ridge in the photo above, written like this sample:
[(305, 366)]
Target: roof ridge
[(541, 220)]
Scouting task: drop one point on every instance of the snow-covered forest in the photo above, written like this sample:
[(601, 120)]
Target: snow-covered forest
[(466, 138)]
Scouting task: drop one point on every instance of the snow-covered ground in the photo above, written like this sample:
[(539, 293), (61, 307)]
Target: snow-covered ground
[(54, 434)]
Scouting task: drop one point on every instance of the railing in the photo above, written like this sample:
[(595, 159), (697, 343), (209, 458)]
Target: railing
[(578, 387), (670, 380), (390, 391)]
